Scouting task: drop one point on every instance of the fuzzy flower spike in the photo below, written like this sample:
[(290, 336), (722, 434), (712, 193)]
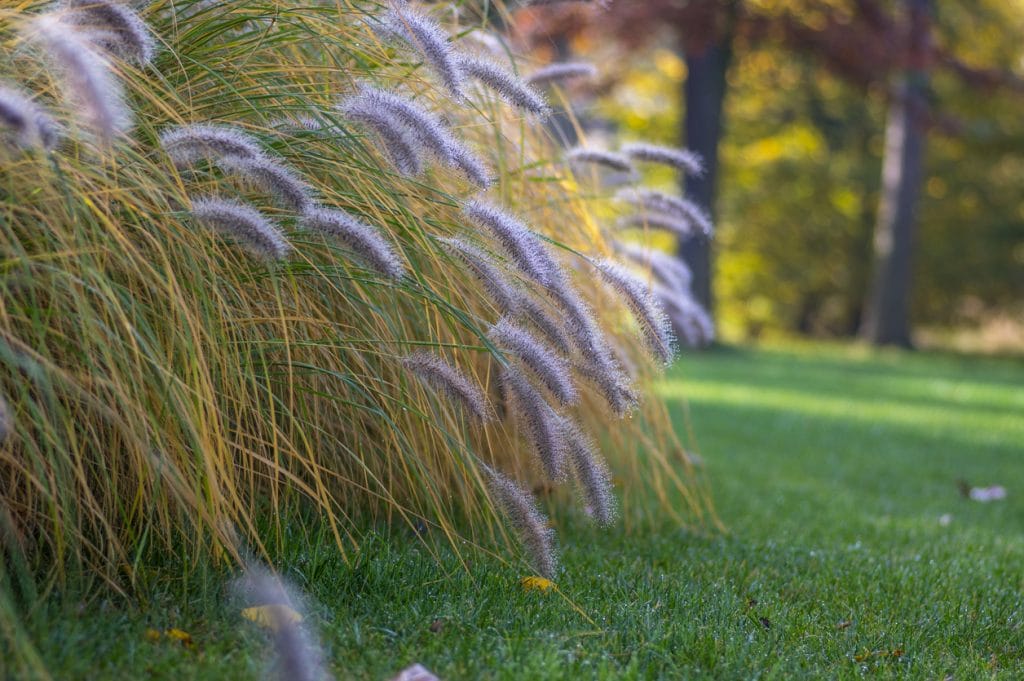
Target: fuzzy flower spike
[(522, 245), (403, 117), (115, 27), (509, 86), (89, 83), (543, 425), (551, 369), (298, 653), (683, 160), (657, 331), (363, 240), (28, 123), (438, 374), (427, 37), (607, 159), (529, 523), (591, 472), (672, 206), (400, 146), (242, 223), (188, 144), (561, 71)]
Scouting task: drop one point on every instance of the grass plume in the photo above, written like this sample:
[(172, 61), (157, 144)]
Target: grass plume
[(441, 376), (521, 244), (657, 333), (606, 159), (430, 41), (243, 224), (116, 27), (591, 473), (360, 238), (543, 425), (29, 124), (683, 160), (90, 86), (537, 538), (551, 369), (189, 144), (561, 71), (503, 293), (509, 86)]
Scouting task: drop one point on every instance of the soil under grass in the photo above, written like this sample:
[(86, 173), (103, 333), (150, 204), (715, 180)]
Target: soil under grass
[(831, 467)]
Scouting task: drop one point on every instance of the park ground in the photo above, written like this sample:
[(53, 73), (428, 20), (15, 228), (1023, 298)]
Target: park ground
[(849, 553)]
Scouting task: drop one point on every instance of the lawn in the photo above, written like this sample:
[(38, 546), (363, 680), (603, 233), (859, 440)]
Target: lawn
[(831, 468)]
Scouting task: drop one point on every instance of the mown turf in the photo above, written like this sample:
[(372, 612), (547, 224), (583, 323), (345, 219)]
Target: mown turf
[(831, 468)]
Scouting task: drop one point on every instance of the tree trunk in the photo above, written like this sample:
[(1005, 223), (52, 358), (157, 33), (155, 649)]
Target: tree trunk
[(886, 315), (705, 94)]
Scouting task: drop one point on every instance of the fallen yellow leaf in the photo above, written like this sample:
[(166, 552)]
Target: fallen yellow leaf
[(178, 635), (153, 635), (274, 617), (537, 584)]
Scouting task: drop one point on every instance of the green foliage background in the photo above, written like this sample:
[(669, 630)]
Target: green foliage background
[(801, 164)]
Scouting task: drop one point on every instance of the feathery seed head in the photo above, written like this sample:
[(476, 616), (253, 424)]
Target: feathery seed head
[(400, 145), (689, 317), (520, 508), (681, 227), (543, 425), (115, 27), (467, 163), (438, 374), (607, 159), (188, 144), (591, 473), (431, 134), (427, 37), (683, 160), (551, 369), (673, 206), (29, 124), (532, 310), (362, 239), (519, 242), (670, 270), (511, 88), (503, 294), (657, 332), (273, 177), (242, 223), (612, 383), (562, 71), (91, 85)]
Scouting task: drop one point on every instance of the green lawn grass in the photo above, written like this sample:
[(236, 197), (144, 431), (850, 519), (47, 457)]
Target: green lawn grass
[(831, 468)]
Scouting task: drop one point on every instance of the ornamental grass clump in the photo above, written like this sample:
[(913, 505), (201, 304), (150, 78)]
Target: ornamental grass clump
[(177, 387)]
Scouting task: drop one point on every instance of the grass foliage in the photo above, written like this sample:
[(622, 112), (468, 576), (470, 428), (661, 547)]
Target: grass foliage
[(171, 394), (833, 470)]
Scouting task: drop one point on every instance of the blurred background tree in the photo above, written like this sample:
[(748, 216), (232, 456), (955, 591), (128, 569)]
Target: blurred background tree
[(803, 90)]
